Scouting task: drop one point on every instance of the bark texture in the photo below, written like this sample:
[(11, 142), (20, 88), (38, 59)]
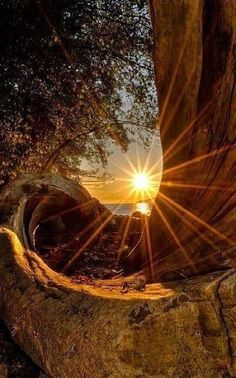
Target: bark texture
[(181, 330), (70, 330), (39, 199), (194, 57), (184, 329)]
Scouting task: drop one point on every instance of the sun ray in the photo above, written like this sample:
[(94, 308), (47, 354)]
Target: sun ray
[(197, 219), (230, 188), (149, 247), (174, 236), (86, 244), (174, 109), (192, 227), (197, 159), (132, 166), (172, 82), (146, 164), (124, 236), (188, 128), (170, 151), (91, 238), (138, 161), (123, 169)]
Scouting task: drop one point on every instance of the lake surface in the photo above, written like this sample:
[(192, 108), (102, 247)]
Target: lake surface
[(129, 208)]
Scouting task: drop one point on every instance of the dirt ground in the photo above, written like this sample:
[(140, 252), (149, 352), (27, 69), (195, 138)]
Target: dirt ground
[(105, 258)]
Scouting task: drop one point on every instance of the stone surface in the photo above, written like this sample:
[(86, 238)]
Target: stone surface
[(182, 329)]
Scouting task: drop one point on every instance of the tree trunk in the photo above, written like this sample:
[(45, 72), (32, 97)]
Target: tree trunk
[(193, 222), (34, 200), (101, 330), (184, 329), (70, 330)]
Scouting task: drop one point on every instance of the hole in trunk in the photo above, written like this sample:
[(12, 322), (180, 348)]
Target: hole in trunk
[(82, 240)]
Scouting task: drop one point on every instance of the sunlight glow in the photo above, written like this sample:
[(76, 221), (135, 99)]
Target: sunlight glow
[(143, 207), (141, 181)]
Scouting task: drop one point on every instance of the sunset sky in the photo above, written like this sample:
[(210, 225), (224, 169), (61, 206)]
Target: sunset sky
[(125, 187)]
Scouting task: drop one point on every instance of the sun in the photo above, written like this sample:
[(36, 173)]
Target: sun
[(141, 181)]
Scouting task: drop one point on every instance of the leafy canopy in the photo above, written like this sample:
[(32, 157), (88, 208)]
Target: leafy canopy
[(75, 76)]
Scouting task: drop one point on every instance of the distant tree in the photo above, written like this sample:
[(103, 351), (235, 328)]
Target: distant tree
[(75, 76)]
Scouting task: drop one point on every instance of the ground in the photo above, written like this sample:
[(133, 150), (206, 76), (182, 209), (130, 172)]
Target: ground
[(105, 258), (13, 362)]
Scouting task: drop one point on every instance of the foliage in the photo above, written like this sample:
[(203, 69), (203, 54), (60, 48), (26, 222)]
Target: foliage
[(75, 76)]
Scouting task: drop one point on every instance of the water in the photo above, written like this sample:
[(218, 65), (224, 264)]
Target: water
[(129, 208)]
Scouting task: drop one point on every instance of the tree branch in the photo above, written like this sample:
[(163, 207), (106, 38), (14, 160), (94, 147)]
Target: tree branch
[(57, 152)]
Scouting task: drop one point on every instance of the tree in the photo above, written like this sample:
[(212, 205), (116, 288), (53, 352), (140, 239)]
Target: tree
[(74, 76), (192, 226)]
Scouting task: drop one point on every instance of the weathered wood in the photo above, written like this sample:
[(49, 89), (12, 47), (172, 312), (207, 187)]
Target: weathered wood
[(194, 56), (184, 330), (35, 199), (73, 330), (180, 329)]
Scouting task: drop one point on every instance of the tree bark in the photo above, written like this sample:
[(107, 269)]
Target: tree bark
[(69, 330), (32, 199), (194, 57), (95, 331), (182, 329)]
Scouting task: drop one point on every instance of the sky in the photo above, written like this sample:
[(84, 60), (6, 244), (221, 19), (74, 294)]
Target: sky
[(124, 168)]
